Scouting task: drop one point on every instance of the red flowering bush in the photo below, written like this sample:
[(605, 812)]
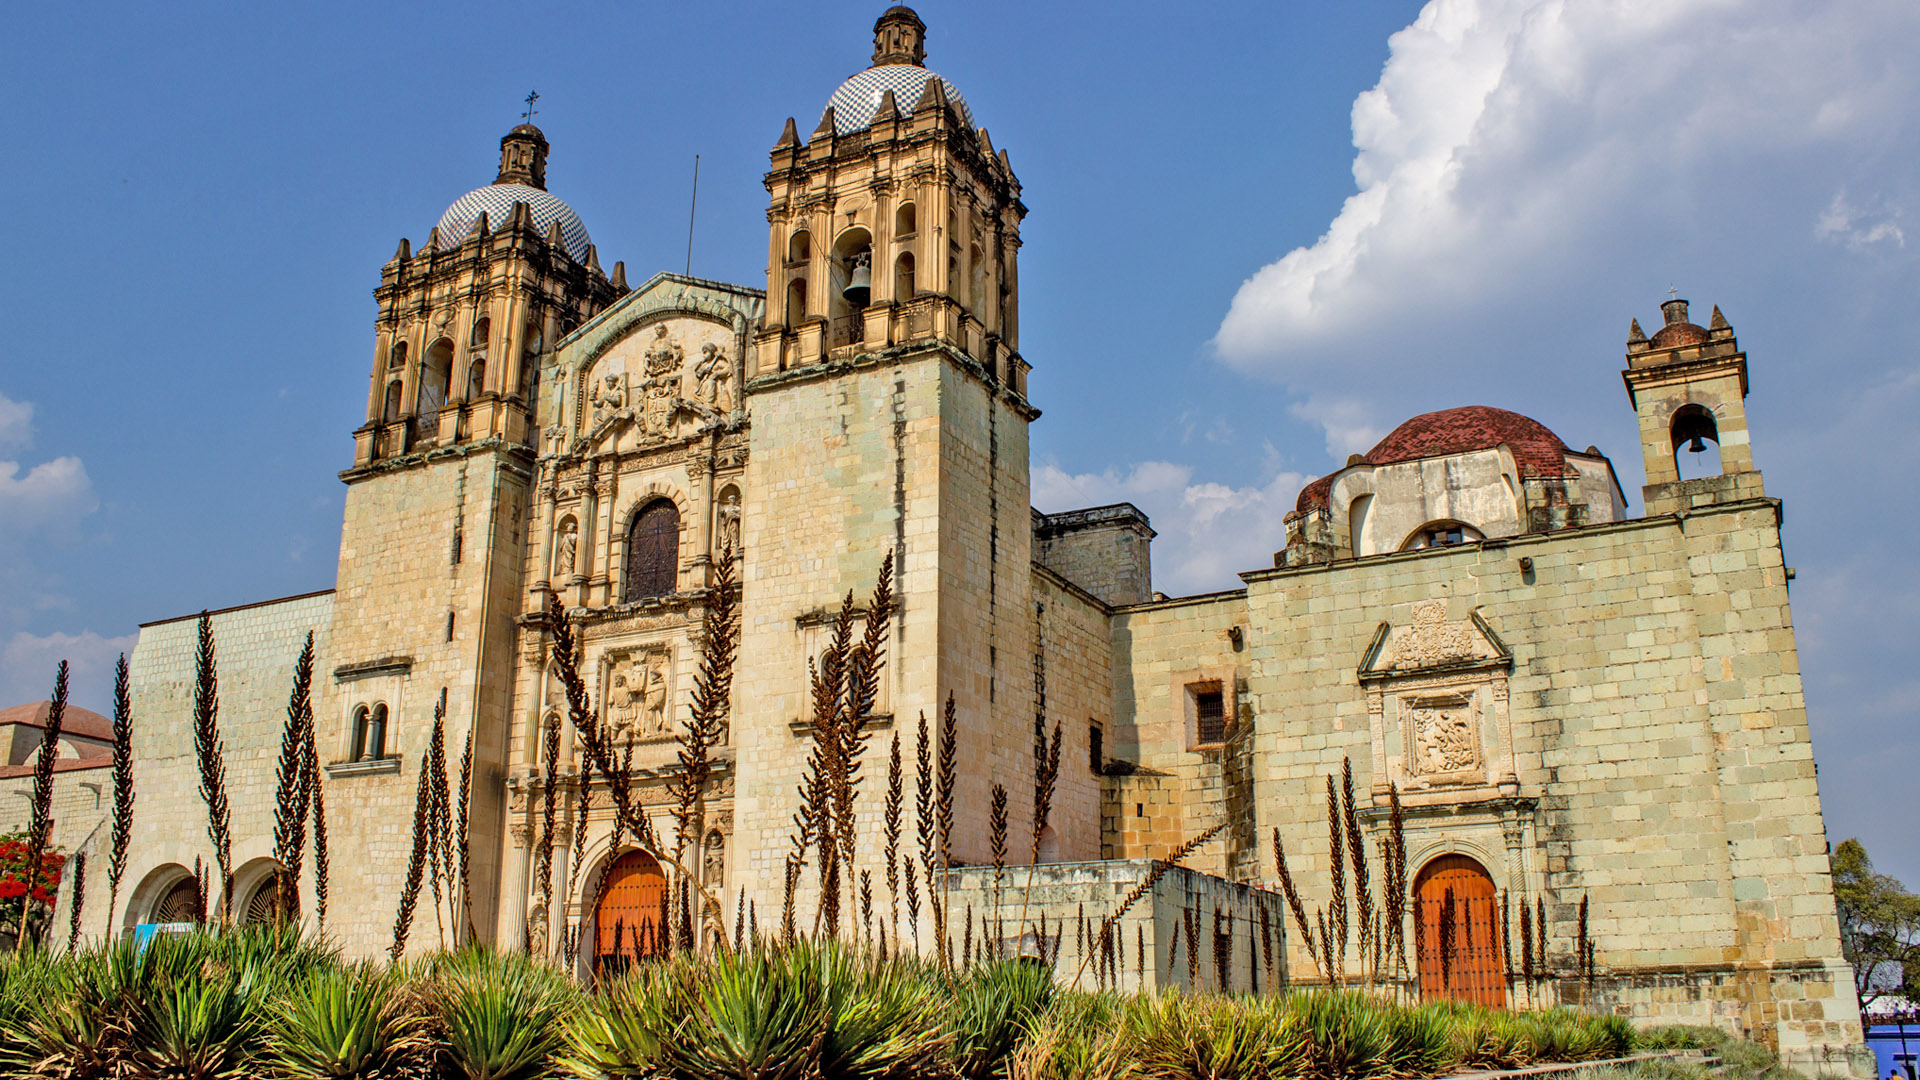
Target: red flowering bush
[(17, 879)]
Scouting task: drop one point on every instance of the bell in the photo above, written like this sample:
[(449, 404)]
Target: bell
[(860, 283), (1696, 446)]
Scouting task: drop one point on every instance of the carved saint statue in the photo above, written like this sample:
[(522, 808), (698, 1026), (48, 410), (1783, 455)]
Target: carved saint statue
[(607, 396), (656, 695), (569, 544), (537, 930), (713, 864), (715, 375), (623, 697), (730, 522)]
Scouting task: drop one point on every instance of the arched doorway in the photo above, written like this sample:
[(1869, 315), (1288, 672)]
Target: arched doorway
[(1459, 925), (179, 904), (630, 918)]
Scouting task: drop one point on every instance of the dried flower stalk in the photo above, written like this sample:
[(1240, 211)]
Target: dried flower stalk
[(123, 795), (291, 788), (213, 767)]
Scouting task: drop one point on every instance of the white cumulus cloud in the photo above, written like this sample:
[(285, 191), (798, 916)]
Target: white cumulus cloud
[(28, 663), (1208, 532), (16, 423), (53, 492), (1536, 148)]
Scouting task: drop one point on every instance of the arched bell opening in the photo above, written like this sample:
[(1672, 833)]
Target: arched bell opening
[(903, 282), (1456, 912), (852, 285), (436, 376), (1696, 442)]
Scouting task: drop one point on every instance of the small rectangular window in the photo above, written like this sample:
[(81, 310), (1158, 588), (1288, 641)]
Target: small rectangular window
[(1096, 748), (1210, 715)]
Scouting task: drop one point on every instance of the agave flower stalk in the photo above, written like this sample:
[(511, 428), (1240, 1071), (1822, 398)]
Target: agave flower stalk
[(318, 802), (77, 901), (213, 768), (40, 819), (416, 862), (706, 722), (890, 829), (1294, 904), (291, 788), (1336, 946), (1357, 851), (121, 836), (1160, 867)]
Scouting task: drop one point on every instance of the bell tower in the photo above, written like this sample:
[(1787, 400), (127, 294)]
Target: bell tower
[(889, 414), (433, 547), (1688, 385)]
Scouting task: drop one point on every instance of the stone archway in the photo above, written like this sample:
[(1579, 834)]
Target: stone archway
[(629, 918), (1457, 912)]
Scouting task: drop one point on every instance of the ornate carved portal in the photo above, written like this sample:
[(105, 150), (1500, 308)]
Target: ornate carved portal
[(1437, 703)]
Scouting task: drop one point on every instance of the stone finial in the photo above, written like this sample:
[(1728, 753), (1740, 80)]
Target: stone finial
[(933, 96), (789, 136), (1635, 335), (986, 141), (1719, 321), (825, 128), (889, 109), (593, 257), (479, 230), (554, 236), (899, 37), (523, 157), (405, 251), (620, 276)]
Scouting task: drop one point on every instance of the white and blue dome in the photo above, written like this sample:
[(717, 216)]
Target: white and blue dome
[(858, 98), (496, 201)]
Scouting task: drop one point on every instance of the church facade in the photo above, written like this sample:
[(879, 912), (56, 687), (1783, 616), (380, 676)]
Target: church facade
[(1580, 710)]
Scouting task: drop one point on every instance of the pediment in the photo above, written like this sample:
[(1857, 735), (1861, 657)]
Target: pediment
[(663, 379), (1429, 643)]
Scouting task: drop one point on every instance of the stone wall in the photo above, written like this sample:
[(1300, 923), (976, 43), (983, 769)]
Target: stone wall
[(1106, 550), (1611, 712), (254, 648), (1223, 928)]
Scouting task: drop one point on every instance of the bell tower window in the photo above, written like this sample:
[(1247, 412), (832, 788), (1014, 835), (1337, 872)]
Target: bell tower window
[(436, 373), (905, 219), (1696, 443), (903, 284), (397, 356)]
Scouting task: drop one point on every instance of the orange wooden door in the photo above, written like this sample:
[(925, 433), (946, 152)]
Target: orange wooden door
[(1459, 924), (627, 924)]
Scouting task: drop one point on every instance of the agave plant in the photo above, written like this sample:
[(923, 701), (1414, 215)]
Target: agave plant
[(992, 1010), (500, 1013), (345, 1024)]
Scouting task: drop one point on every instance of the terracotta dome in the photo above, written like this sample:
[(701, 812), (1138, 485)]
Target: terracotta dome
[(1537, 451), (1680, 333)]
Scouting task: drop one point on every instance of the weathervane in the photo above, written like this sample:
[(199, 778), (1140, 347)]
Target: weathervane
[(532, 97)]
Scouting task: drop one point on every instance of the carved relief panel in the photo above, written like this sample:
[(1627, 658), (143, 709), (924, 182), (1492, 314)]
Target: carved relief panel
[(639, 694), (1437, 703), (666, 379)]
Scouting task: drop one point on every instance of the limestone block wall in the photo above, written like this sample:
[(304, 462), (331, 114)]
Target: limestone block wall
[(1177, 935), (1106, 550), (431, 558), (255, 650), (1167, 786), (82, 804), (1662, 761), (1073, 642)]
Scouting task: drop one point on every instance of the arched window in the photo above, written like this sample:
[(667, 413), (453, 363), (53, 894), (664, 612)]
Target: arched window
[(905, 219), (482, 331), (796, 301), (977, 281), (628, 921), (851, 289), (436, 373), (653, 551), (1696, 442), (1442, 534), (903, 277), (1357, 538), (263, 902), (397, 356), (181, 903), (800, 247), (370, 732), (392, 410), (1457, 916)]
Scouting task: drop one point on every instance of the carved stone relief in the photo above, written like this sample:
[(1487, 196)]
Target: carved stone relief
[(1443, 732), (1432, 640), (644, 390), (639, 695)]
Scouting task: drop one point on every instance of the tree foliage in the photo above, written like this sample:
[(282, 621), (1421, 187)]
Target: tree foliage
[(1879, 925)]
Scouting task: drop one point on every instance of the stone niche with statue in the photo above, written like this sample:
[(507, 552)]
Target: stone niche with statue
[(1437, 703)]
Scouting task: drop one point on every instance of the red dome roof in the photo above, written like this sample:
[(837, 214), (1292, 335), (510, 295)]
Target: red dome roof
[(1679, 333), (1538, 451)]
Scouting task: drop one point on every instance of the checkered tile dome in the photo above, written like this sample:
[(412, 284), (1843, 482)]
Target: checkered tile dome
[(496, 201), (858, 98)]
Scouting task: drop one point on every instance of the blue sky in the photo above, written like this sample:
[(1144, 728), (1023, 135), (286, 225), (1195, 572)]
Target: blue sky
[(1259, 236)]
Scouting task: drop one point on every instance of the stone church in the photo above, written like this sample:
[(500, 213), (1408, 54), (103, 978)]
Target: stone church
[(1576, 704)]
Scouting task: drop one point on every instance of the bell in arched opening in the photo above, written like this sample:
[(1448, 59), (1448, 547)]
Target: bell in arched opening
[(860, 280)]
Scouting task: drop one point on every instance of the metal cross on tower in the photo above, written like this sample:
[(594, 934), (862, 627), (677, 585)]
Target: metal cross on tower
[(532, 97)]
